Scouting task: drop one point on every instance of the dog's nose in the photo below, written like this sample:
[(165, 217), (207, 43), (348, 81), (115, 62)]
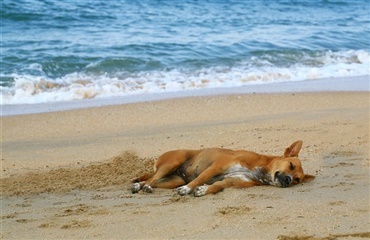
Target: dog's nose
[(287, 181)]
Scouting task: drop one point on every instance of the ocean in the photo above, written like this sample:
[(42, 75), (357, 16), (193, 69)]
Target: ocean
[(55, 51)]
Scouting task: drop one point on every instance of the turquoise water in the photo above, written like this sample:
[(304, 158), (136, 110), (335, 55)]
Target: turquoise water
[(70, 50)]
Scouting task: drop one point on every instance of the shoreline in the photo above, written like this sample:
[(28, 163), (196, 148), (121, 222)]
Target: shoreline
[(345, 84)]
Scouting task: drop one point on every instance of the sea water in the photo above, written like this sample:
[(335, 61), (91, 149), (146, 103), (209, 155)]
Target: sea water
[(78, 49)]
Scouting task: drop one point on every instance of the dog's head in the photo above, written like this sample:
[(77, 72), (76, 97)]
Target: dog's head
[(287, 170)]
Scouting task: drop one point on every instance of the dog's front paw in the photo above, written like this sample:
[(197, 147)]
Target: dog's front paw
[(135, 188), (200, 191), (147, 189), (183, 190)]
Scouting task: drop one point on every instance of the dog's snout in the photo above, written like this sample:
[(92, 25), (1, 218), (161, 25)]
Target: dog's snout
[(287, 181), (283, 179)]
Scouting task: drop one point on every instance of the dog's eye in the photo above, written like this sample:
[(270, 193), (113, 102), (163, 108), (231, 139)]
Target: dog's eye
[(291, 166), (297, 180)]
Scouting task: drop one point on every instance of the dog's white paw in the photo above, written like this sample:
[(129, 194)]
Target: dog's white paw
[(135, 187), (147, 189), (200, 191), (183, 190)]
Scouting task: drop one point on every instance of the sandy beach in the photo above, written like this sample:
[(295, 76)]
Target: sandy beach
[(66, 175)]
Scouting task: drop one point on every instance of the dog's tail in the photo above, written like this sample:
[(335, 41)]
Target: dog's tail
[(145, 177)]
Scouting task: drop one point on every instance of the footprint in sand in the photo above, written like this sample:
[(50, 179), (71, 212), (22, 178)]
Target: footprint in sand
[(227, 211), (75, 224)]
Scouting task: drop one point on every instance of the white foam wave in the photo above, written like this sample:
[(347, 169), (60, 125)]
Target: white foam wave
[(30, 89)]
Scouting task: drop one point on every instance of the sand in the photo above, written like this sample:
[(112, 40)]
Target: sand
[(66, 175)]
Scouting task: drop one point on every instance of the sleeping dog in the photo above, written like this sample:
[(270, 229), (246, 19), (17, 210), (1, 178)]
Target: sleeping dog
[(206, 171)]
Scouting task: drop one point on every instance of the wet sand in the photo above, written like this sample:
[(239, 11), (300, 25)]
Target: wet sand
[(67, 174)]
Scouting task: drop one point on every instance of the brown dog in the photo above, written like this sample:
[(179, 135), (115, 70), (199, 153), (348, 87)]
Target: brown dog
[(211, 170)]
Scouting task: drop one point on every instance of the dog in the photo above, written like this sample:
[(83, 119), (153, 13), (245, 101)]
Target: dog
[(208, 171)]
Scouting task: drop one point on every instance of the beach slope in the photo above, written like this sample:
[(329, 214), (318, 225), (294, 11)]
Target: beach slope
[(67, 174)]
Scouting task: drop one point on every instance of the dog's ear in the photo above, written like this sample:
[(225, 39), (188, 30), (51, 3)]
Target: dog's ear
[(308, 178), (293, 150)]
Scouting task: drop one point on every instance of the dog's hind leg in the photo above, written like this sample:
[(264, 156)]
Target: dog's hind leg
[(160, 179), (147, 184), (169, 182), (164, 167), (145, 177), (138, 183)]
